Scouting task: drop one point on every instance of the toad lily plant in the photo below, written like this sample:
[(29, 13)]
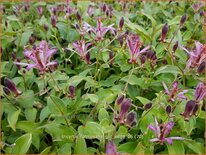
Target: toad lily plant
[(161, 131), (40, 56)]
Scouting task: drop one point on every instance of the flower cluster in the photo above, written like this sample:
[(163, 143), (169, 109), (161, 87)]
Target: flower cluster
[(175, 92), (134, 45), (196, 57), (82, 49), (40, 56), (162, 131), (192, 106), (124, 116)]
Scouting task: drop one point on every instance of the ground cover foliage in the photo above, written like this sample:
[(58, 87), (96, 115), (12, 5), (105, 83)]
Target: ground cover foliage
[(93, 77)]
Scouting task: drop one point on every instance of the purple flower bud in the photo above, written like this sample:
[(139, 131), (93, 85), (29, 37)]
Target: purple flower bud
[(111, 56), (87, 58), (142, 59), (13, 56), (6, 91), (120, 99), (77, 26), (168, 109), (104, 8), (196, 107), (127, 32), (107, 13), (147, 106), (202, 13), (17, 65), (46, 27), (201, 68), (54, 11), (31, 40), (53, 21), (111, 148), (164, 61), (183, 19), (90, 10), (188, 110), (164, 32), (200, 92), (78, 16), (12, 87), (26, 7), (121, 40), (40, 10), (121, 23), (125, 105), (175, 46), (71, 91), (131, 119)]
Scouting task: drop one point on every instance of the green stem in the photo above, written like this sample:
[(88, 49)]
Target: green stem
[(126, 85), (62, 113)]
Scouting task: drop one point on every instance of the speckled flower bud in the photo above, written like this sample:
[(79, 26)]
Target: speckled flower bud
[(148, 106), (168, 109), (183, 19), (131, 119), (6, 91), (12, 87), (71, 91), (201, 68), (78, 16), (121, 23), (120, 99), (164, 32), (175, 46), (188, 110)]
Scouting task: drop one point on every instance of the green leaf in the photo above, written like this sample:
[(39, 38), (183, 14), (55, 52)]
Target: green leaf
[(46, 150), (60, 132), (44, 113), (65, 149), (127, 147), (133, 80), (12, 118), (80, 146), (154, 23), (12, 18), (25, 38), (176, 148), (30, 127), (143, 100), (22, 144), (56, 105), (94, 98), (91, 130), (26, 100), (103, 114), (133, 26), (30, 114), (167, 69), (195, 146)]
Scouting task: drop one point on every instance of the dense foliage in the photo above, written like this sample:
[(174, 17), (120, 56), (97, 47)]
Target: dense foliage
[(95, 77)]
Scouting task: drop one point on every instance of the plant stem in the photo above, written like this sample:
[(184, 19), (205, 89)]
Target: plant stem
[(62, 113), (126, 85)]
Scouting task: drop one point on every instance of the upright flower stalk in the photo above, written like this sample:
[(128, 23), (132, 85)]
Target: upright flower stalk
[(162, 131), (39, 57)]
